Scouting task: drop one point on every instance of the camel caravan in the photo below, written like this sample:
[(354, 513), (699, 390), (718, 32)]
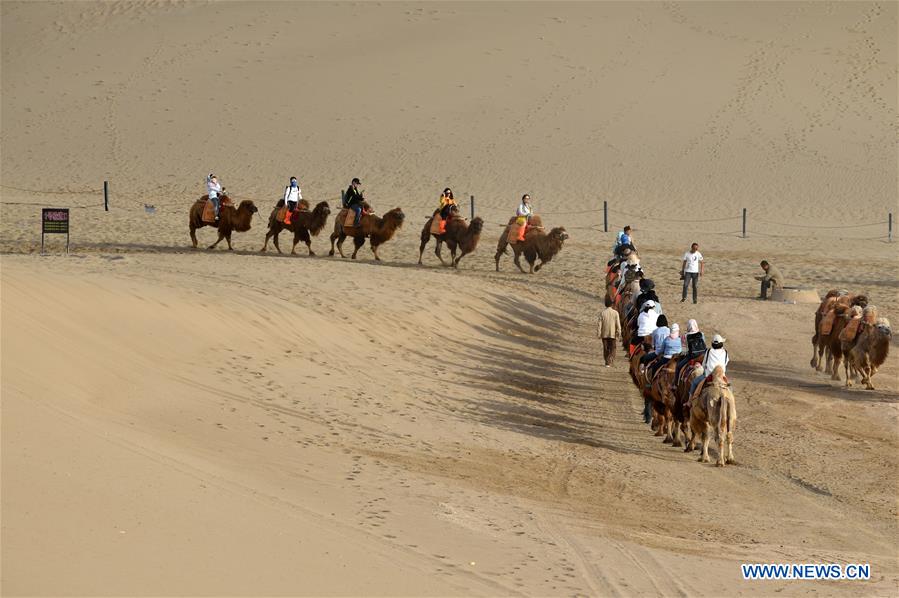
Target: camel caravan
[(356, 219), (850, 330), (682, 382)]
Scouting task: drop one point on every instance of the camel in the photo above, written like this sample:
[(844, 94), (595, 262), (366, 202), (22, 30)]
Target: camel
[(537, 244), (664, 401), (683, 405), (715, 406), (827, 338), (870, 349), (230, 219), (304, 225), (825, 316), (459, 235), (649, 414), (379, 230)]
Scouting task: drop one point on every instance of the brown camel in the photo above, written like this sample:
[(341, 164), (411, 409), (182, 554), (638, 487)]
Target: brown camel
[(377, 229), (230, 219), (869, 351), (665, 401), (683, 404), (537, 244), (827, 339), (304, 225), (639, 380), (459, 235), (716, 406), (827, 304)]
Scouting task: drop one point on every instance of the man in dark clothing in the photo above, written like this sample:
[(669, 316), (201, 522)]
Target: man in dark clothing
[(353, 200)]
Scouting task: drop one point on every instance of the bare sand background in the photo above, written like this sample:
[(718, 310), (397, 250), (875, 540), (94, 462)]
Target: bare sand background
[(192, 422)]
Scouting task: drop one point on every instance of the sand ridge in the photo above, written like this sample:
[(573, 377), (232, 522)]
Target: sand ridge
[(263, 424)]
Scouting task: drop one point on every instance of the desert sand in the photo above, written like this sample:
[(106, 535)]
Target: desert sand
[(192, 422)]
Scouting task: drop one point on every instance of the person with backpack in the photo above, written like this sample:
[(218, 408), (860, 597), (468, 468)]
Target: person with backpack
[(292, 197), (353, 199), (696, 347)]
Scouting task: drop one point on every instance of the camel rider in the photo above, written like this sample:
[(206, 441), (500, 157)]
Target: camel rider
[(623, 241), (213, 190), (658, 338), (671, 346), (524, 213), (696, 347), (714, 357), (353, 200), (646, 322), (292, 197), (447, 201), (648, 294)]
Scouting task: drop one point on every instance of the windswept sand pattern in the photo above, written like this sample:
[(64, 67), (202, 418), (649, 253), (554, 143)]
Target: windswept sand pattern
[(263, 424)]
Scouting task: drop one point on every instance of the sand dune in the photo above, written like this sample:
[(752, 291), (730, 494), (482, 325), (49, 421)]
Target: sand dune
[(201, 423)]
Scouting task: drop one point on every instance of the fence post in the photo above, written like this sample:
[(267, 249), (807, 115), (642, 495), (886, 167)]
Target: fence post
[(605, 216), (890, 228), (472, 207), (106, 195), (744, 223)]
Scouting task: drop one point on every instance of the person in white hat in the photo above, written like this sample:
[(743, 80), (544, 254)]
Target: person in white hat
[(714, 357), (646, 321)]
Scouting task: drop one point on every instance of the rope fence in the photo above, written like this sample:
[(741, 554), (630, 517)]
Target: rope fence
[(744, 230)]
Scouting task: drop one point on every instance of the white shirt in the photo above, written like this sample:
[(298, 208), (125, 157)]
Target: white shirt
[(292, 194), (646, 323), (713, 358), (213, 188), (692, 261), (524, 210)]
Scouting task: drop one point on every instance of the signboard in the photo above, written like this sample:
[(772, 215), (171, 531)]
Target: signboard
[(54, 220)]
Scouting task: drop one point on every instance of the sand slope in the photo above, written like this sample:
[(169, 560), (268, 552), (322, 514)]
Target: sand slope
[(193, 422)]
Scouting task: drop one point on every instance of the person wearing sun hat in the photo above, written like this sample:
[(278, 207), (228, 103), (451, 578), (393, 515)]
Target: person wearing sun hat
[(714, 357)]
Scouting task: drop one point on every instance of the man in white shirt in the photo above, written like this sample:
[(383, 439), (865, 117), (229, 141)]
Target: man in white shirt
[(691, 271)]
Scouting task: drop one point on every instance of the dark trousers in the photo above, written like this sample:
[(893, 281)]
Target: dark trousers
[(358, 209), (766, 284), (694, 277), (608, 350)]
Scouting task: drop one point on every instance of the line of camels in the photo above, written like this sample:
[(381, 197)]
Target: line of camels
[(667, 404), (847, 329), (461, 236)]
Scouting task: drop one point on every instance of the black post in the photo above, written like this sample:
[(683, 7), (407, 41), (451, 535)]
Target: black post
[(744, 223), (605, 216), (890, 228), (472, 207), (106, 195)]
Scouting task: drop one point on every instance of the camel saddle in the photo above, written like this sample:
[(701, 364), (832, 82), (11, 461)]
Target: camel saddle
[(850, 331), (208, 215), (435, 226), (827, 322), (282, 212)]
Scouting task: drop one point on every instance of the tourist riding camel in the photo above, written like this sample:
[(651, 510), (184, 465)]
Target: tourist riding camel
[(524, 213), (447, 205), (714, 357), (213, 191), (354, 200), (695, 345), (292, 197)]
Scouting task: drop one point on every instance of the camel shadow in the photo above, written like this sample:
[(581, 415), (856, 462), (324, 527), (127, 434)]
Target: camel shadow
[(792, 378)]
